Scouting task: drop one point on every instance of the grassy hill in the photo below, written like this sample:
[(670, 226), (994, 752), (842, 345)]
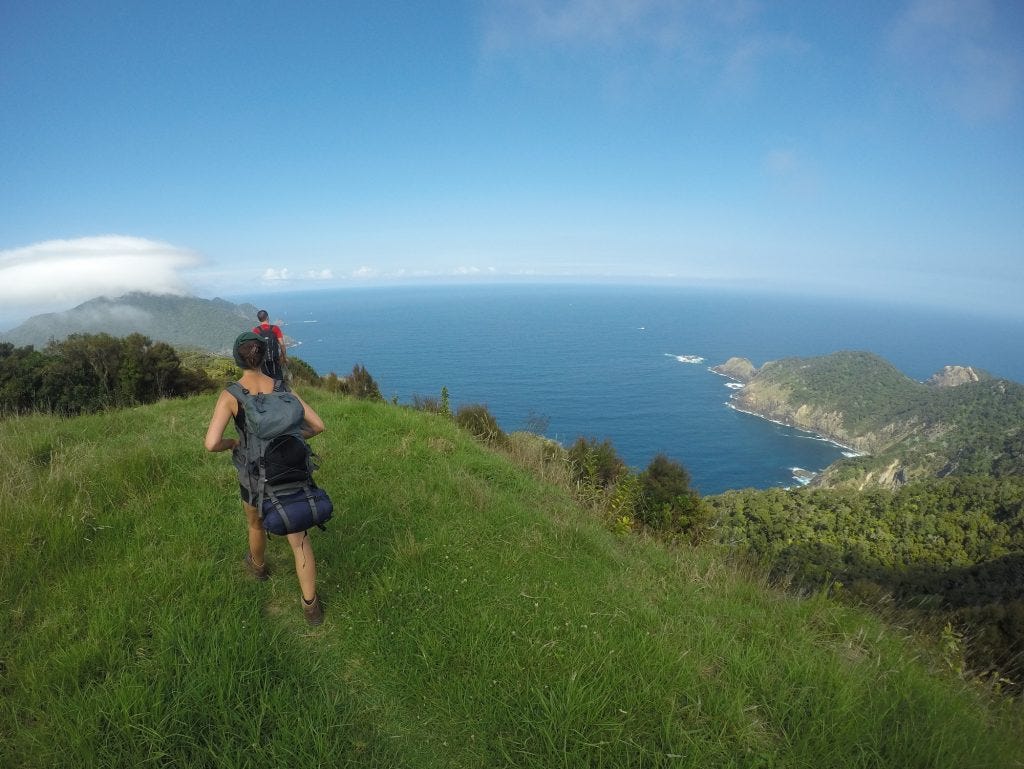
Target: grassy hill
[(475, 618)]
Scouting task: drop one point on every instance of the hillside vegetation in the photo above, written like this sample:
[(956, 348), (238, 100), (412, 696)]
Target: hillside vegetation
[(476, 617), (910, 429), (945, 554), (183, 321)]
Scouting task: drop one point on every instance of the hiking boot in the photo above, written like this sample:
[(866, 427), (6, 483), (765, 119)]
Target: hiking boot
[(258, 572), (313, 612)]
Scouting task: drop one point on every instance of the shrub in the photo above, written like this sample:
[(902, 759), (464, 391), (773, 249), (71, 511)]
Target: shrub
[(426, 403), (358, 384), (543, 457), (596, 464), (480, 423), (302, 372), (668, 503), (362, 385)]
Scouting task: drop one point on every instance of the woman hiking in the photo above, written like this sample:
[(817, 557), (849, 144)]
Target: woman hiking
[(249, 351)]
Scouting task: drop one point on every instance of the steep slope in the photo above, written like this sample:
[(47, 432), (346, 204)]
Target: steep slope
[(475, 618)]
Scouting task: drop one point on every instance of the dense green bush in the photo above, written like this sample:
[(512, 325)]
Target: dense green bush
[(667, 502), (362, 385), (301, 372), (480, 423), (89, 372), (937, 550), (358, 384), (596, 464)]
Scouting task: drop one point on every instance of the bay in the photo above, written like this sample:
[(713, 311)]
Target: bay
[(602, 361)]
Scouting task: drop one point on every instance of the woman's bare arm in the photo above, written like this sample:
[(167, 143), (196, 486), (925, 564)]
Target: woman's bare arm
[(222, 413)]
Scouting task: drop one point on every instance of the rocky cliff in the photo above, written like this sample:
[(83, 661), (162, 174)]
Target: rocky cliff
[(954, 376), (775, 403), (739, 369)]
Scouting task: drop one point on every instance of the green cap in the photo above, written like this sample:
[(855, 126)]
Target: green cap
[(245, 336)]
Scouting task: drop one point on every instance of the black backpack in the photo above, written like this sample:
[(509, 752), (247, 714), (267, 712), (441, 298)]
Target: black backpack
[(272, 359), (278, 462)]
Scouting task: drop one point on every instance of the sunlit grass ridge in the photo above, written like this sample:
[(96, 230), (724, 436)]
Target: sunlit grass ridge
[(475, 617)]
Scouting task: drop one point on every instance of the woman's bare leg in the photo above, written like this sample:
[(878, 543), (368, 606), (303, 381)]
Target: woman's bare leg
[(305, 563), (257, 535)]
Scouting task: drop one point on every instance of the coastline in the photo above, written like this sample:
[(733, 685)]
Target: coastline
[(848, 451), (724, 376)]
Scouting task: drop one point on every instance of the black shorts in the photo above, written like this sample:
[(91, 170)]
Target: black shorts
[(244, 494)]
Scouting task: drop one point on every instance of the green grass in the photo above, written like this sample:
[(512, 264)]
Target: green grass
[(475, 618)]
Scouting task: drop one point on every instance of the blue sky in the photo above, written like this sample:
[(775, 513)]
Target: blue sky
[(218, 147)]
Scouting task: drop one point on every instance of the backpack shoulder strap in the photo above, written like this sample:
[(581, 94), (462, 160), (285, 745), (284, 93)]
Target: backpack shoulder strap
[(240, 393), (243, 396)]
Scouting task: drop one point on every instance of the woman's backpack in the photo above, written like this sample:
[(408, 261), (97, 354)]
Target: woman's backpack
[(278, 462)]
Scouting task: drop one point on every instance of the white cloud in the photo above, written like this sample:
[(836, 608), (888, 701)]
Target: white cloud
[(727, 40), (272, 275), (660, 23), (59, 273), (327, 274), (960, 52), (285, 275), (364, 272)]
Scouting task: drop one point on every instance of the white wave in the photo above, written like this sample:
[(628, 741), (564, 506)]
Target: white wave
[(310, 321), (686, 358), (734, 385), (801, 476)]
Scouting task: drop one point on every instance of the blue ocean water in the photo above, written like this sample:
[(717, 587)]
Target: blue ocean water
[(602, 361)]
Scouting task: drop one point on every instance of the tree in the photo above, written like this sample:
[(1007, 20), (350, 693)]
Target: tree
[(667, 501), (20, 372), (88, 372)]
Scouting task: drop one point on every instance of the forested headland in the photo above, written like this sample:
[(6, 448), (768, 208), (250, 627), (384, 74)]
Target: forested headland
[(969, 425)]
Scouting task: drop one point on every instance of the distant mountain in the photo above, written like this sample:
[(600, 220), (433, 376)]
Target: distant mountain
[(182, 321), (962, 421)]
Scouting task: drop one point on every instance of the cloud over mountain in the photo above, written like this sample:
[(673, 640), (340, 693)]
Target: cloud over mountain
[(62, 272)]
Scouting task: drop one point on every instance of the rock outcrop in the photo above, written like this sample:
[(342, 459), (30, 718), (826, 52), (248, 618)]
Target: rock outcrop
[(739, 369), (771, 404), (954, 376)]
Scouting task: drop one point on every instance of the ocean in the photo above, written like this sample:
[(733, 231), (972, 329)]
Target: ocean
[(621, 362)]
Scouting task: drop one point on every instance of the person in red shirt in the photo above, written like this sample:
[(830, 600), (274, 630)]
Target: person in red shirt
[(276, 358)]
